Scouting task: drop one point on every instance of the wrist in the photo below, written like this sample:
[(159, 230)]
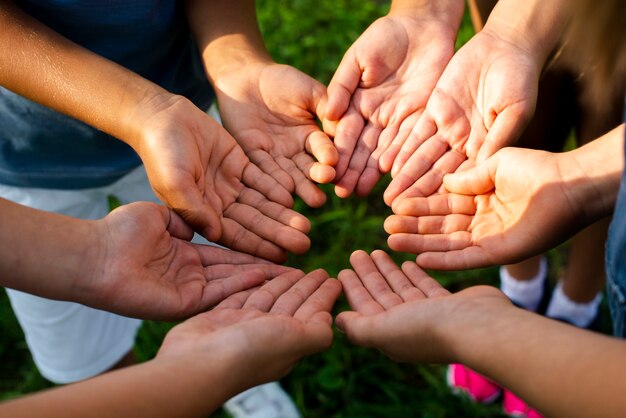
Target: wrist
[(592, 175), (535, 27), (230, 55), (447, 12), (149, 109)]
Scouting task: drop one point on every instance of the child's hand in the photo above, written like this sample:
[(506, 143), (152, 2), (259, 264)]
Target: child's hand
[(481, 103), (270, 109), (385, 76), (197, 168), (404, 312), (146, 268), (260, 334), (514, 205)]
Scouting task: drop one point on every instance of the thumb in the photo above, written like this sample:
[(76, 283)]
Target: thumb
[(474, 181), (203, 218)]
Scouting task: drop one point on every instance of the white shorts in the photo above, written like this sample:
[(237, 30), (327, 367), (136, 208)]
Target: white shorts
[(69, 341)]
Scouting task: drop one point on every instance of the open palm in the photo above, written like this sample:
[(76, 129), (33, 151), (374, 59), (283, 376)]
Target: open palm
[(147, 268), (270, 109), (514, 205), (385, 76), (481, 103), (197, 168)]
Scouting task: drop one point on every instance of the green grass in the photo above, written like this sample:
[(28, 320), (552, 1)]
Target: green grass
[(345, 381)]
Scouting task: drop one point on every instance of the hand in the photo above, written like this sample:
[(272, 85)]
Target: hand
[(514, 205), (405, 313), (270, 109), (197, 168), (145, 267), (481, 103), (385, 76), (264, 332)]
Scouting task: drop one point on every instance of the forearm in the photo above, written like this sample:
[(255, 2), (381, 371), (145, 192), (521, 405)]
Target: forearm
[(449, 12), (227, 34), (548, 363), (44, 253), (42, 65), (181, 387), (592, 174), (535, 26)]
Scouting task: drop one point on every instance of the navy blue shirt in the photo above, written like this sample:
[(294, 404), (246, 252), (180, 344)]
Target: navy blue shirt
[(42, 148)]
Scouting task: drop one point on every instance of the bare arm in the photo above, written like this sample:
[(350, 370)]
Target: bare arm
[(38, 63), (208, 358), (411, 318)]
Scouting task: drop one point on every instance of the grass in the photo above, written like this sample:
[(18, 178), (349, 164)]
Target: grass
[(345, 381)]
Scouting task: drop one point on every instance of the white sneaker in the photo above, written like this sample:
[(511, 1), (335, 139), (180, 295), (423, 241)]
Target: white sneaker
[(264, 401)]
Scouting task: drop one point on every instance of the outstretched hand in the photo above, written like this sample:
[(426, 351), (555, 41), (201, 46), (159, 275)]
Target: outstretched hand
[(197, 168), (385, 76), (146, 267), (265, 331), (404, 312), (481, 103), (514, 205), (271, 110)]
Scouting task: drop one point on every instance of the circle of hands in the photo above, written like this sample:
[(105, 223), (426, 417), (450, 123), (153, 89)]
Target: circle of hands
[(401, 102)]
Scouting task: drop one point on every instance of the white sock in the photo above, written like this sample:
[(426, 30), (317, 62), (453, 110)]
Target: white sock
[(525, 293), (579, 314)]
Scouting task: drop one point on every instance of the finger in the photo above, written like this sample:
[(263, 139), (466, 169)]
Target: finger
[(289, 302), (298, 168), (432, 180), (419, 163), (467, 258), (267, 164), (358, 328), (473, 181), (436, 204), (391, 151), (424, 129), (264, 298), (190, 206), (420, 279), (176, 226), (238, 238), (254, 178), (358, 297), (369, 178), (342, 86), (212, 254), (424, 225), (319, 145), (222, 271), (366, 144), (274, 211), (396, 278), (347, 133), (373, 280), (322, 300), (268, 229), (236, 300), (217, 290), (417, 244), (506, 128)]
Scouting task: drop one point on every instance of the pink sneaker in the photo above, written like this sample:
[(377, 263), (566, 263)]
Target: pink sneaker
[(515, 407), (462, 379)]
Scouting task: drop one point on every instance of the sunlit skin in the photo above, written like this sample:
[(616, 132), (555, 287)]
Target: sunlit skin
[(516, 204), (193, 164), (482, 101), (407, 315), (270, 109), (385, 76), (250, 338)]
